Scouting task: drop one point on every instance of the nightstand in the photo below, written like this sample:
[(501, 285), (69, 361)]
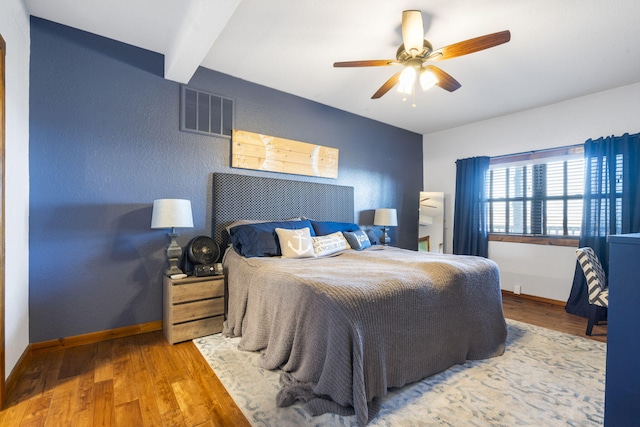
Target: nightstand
[(193, 307)]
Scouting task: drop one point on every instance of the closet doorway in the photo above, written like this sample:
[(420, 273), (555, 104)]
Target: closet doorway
[(431, 225)]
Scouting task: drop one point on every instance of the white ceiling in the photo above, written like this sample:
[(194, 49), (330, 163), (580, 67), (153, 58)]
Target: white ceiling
[(559, 49)]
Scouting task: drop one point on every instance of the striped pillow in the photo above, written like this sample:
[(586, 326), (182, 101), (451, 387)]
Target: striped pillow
[(594, 273)]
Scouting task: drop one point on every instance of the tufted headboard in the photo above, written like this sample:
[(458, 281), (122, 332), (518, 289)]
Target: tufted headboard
[(252, 197)]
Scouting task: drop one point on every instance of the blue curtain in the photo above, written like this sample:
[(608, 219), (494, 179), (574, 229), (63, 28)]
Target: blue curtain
[(611, 203), (470, 235)]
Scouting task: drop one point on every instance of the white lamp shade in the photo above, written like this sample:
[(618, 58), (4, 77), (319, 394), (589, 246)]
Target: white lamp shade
[(386, 217), (171, 213)]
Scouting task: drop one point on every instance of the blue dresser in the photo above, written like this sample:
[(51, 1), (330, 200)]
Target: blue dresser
[(622, 389)]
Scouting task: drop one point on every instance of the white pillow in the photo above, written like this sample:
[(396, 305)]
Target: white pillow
[(330, 244), (295, 243)]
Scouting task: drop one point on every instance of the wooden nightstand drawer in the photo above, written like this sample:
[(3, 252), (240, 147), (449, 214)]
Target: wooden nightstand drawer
[(198, 328), (193, 307), (184, 292), (197, 310)]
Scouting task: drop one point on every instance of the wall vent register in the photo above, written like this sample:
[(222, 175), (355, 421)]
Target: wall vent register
[(205, 113)]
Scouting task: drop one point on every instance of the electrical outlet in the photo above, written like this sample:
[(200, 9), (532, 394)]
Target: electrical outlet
[(517, 289)]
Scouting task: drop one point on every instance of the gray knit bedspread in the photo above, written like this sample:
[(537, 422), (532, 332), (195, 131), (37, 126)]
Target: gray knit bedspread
[(344, 329)]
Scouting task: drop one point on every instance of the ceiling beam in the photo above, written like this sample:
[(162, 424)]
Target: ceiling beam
[(201, 27)]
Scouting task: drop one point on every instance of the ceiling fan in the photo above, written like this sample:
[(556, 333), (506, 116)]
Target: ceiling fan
[(414, 53)]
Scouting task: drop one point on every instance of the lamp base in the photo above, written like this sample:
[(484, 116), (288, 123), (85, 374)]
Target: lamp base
[(173, 267), (173, 253), (384, 238)]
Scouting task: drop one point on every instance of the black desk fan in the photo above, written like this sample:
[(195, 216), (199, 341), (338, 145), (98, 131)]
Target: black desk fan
[(200, 257)]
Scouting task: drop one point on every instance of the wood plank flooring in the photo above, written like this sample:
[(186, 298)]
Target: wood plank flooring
[(550, 316), (142, 380)]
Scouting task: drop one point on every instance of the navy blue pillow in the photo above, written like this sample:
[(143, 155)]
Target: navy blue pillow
[(358, 240), (260, 240), (322, 228)]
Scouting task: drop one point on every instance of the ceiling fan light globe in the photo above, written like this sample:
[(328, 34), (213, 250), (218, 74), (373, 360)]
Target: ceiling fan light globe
[(408, 76), (405, 90), (427, 79)]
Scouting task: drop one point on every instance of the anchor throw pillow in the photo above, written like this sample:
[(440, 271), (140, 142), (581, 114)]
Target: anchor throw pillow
[(330, 244), (295, 243)]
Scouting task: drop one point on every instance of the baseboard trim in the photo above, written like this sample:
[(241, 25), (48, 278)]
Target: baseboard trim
[(510, 294), (94, 337)]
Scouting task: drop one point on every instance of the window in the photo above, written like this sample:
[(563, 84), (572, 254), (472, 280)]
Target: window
[(536, 194)]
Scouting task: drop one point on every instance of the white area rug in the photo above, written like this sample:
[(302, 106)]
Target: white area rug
[(545, 378)]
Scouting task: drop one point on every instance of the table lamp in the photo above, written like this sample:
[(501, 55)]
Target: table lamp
[(172, 213), (385, 218)]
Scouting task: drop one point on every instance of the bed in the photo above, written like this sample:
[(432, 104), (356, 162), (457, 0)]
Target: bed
[(345, 327)]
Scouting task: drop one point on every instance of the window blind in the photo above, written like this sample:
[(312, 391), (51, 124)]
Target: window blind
[(539, 197)]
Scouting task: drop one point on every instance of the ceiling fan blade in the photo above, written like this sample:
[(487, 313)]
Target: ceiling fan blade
[(387, 85), (412, 31), (470, 46), (445, 81), (371, 63)]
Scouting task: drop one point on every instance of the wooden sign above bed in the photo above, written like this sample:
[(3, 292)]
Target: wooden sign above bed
[(269, 153)]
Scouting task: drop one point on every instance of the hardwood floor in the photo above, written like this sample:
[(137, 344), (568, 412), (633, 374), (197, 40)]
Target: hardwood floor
[(142, 380), (550, 316)]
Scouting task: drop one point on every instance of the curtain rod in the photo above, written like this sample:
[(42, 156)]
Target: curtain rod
[(539, 154)]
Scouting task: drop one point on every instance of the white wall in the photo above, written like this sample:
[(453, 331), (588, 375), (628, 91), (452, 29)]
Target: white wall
[(541, 270), (14, 27)]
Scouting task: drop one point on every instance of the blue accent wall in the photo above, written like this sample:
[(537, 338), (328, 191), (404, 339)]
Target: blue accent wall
[(105, 142)]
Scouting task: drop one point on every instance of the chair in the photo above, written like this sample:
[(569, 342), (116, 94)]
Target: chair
[(596, 284)]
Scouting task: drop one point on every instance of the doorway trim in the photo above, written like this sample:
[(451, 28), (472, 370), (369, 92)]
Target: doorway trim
[(2, 235)]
